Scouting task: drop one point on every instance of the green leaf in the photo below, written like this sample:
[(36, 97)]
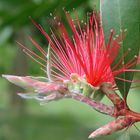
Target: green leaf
[(123, 14)]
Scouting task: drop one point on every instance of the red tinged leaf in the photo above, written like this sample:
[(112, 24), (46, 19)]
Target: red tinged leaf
[(33, 85)]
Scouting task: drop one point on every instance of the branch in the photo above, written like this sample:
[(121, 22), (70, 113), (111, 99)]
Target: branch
[(119, 104), (109, 110)]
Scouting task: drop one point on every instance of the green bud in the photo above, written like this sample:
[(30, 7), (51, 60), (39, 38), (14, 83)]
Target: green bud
[(87, 90), (98, 95)]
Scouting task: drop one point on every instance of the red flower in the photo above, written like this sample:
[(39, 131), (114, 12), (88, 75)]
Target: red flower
[(85, 57), (85, 53)]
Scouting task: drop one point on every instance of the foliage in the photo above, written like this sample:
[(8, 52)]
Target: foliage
[(123, 15)]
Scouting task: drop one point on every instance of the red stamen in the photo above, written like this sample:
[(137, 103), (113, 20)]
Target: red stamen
[(38, 47), (31, 52), (125, 80), (120, 60), (34, 58)]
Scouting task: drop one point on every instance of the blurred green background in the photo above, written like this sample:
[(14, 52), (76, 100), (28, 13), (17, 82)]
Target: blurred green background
[(27, 119)]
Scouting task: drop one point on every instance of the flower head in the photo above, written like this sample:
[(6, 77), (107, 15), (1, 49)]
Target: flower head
[(85, 53)]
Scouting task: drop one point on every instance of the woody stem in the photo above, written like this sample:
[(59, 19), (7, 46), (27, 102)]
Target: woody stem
[(107, 89), (121, 108), (94, 104), (133, 114), (119, 104)]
